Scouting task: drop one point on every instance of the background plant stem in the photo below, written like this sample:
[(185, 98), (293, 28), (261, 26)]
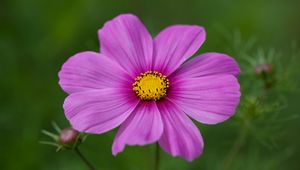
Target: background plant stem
[(84, 159), (157, 157), (239, 142)]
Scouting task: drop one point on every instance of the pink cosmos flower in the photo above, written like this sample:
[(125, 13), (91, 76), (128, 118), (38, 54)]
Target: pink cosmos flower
[(149, 87)]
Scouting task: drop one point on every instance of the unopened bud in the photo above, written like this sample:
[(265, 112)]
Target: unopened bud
[(266, 73), (68, 136), (263, 69)]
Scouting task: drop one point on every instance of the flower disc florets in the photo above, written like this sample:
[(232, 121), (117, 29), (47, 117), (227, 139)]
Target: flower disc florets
[(151, 85)]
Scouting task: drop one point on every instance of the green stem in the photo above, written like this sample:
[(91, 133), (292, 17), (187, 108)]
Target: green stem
[(239, 142), (84, 159), (157, 157)]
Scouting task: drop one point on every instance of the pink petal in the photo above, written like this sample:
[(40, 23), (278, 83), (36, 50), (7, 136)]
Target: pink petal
[(209, 99), (126, 40), (174, 45), (90, 70), (98, 111), (180, 137), (142, 127), (208, 64)]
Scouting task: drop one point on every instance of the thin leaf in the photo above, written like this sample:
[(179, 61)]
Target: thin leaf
[(49, 143), (59, 148), (50, 134), (56, 127)]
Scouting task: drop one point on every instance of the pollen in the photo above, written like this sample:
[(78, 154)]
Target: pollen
[(151, 85)]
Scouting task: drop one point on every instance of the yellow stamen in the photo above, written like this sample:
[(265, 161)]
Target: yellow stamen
[(151, 85)]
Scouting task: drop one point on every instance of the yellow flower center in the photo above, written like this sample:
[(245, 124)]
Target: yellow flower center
[(151, 85)]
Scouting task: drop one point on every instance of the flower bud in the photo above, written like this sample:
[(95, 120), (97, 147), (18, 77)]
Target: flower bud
[(266, 73), (263, 69), (68, 136)]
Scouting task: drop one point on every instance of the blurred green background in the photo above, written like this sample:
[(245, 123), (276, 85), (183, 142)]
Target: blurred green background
[(37, 36)]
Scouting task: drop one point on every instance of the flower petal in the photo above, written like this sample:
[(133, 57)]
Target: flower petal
[(209, 99), (90, 70), (142, 127), (180, 137), (98, 111), (174, 45), (208, 64), (126, 40)]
